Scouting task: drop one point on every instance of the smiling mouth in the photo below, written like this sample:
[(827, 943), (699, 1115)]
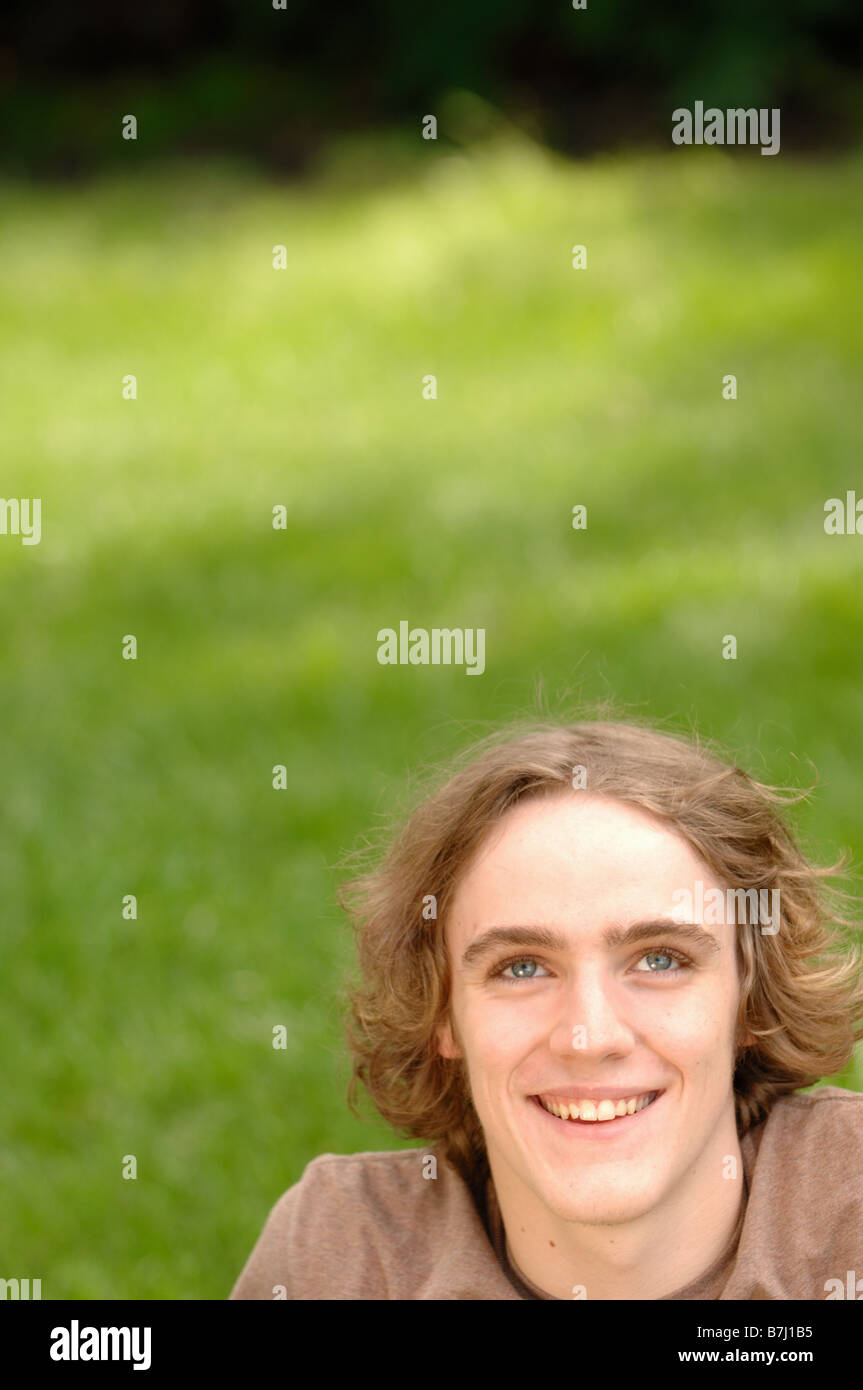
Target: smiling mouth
[(597, 1111)]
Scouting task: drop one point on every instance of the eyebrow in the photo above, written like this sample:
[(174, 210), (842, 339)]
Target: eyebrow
[(614, 937)]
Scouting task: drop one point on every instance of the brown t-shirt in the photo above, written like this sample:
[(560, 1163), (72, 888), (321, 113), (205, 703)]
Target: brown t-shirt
[(372, 1226)]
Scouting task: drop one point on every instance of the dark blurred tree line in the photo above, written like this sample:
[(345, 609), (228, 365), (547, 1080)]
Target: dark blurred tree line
[(243, 77)]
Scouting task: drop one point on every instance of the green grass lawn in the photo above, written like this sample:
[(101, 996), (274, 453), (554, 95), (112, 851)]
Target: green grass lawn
[(256, 647)]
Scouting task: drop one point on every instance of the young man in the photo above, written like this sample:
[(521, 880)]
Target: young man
[(564, 996)]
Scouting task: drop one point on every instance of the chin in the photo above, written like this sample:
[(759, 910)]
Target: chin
[(596, 1203)]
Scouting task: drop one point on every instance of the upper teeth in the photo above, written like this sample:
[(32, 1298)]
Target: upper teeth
[(597, 1110)]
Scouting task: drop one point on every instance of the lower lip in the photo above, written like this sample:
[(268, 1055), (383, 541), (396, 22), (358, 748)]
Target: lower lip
[(601, 1130)]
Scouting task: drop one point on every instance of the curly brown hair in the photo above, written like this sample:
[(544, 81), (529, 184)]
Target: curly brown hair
[(801, 1000)]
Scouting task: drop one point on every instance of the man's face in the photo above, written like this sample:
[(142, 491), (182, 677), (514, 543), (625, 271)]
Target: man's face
[(589, 1014)]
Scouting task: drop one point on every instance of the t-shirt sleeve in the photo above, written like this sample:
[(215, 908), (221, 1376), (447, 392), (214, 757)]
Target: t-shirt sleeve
[(803, 1234), (313, 1244), (267, 1272)]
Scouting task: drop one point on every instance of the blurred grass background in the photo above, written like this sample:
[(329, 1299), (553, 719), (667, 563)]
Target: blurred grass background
[(256, 647)]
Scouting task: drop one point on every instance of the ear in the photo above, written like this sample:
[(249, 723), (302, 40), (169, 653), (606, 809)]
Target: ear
[(446, 1045)]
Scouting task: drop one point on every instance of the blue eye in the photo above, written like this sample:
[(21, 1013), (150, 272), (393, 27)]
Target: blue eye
[(661, 970), (524, 969)]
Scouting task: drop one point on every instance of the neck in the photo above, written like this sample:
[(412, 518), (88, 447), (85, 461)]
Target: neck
[(663, 1250)]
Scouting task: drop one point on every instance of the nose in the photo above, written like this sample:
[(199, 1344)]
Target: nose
[(590, 1018)]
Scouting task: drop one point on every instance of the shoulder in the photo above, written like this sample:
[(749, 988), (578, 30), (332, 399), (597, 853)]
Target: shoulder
[(813, 1135), (367, 1225), (820, 1118), (806, 1203), (366, 1187)]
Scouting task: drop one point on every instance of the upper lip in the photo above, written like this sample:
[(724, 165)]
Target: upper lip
[(571, 1093)]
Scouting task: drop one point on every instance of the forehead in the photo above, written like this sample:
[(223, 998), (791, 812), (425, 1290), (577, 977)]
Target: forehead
[(571, 857)]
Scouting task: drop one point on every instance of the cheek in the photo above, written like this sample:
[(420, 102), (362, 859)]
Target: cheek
[(502, 1031), (695, 1025)]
